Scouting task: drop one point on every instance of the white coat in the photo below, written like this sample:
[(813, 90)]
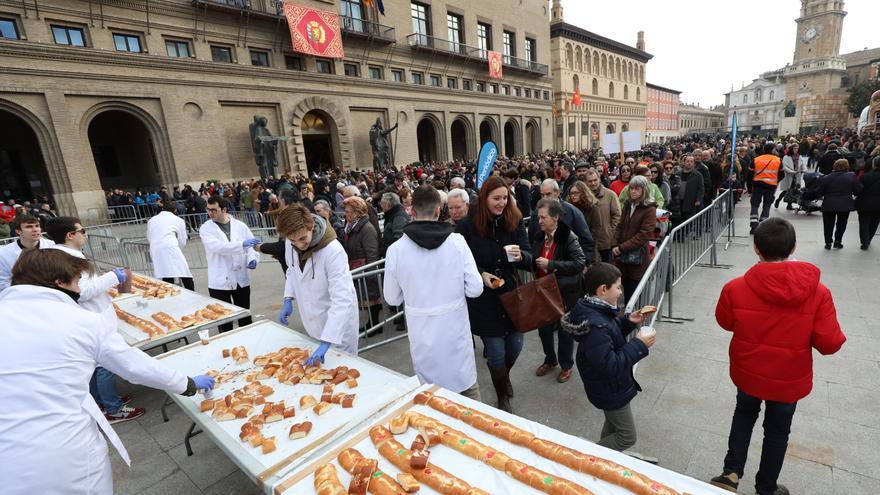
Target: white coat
[(49, 424), (166, 233), (8, 256), (324, 294), (227, 260), (433, 283), (794, 172), (93, 289)]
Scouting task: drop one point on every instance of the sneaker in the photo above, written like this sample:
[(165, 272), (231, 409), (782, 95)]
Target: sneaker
[(125, 414), (126, 399), (729, 482)]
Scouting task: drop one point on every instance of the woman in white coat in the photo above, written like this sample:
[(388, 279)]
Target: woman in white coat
[(166, 233), (50, 441), (319, 280), (794, 166)]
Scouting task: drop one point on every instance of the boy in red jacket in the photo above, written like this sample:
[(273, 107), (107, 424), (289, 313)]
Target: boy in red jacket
[(778, 311)]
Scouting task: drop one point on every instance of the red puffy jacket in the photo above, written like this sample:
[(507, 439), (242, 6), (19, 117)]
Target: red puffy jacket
[(778, 312)]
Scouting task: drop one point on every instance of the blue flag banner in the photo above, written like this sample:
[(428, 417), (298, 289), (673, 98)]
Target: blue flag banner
[(488, 155), (733, 148)]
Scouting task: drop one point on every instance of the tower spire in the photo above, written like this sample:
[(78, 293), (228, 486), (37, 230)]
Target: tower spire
[(556, 12)]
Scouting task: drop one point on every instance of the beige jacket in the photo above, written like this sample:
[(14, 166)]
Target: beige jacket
[(609, 217)]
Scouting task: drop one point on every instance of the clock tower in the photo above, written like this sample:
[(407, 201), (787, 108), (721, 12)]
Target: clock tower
[(814, 77)]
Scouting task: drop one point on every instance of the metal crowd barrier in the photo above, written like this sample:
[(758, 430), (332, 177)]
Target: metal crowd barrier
[(104, 251), (366, 278)]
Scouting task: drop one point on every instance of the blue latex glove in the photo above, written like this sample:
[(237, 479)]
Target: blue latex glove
[(286, 311), (250, 243), (252, 265), (120, 274), (318, 355), (204, 382)]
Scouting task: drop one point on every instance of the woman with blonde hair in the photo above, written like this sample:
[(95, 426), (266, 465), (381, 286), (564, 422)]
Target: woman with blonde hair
[(635, 230), (361, 242)]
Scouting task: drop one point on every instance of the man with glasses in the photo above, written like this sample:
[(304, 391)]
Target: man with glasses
[(70, 236), (30, 235), (229, 248)]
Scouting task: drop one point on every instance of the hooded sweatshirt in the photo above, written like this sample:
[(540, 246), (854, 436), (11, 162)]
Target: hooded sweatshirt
[(428, 234), (778, 312)]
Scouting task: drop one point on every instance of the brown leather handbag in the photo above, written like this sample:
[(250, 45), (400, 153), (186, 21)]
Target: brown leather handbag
[(535, 304)]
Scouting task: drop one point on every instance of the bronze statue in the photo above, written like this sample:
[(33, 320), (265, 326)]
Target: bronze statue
[(265, 146), (379, 144), (790, 109)]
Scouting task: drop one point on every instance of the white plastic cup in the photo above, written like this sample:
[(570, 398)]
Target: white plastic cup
[(647, 332), (507, 249), (203, 335)]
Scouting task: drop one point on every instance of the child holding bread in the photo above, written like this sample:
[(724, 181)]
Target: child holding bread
[(604, 357)]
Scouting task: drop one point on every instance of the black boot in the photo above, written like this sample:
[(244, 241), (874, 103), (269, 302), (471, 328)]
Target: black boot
[(509, 365), (499, 381)]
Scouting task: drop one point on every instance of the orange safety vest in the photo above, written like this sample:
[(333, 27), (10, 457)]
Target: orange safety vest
[(767, 169)]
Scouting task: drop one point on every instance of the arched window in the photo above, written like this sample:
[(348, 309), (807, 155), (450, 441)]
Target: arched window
[(611, 90), (617, 69), (772, 95), (758, 95), (604, 66), (596, 63), (595, 86), (569, 53), (575, 82), (642, 74), (625, 91), (588, 67), (638, 94), (578, 56), (745, 99)]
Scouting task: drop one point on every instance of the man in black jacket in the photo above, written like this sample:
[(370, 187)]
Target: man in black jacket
[(703, 169), (395, 220), (687, 191), (568, 177), (520, 191), (826, 163)]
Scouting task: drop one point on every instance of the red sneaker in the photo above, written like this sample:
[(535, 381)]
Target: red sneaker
[(126, 399), (125, 414)]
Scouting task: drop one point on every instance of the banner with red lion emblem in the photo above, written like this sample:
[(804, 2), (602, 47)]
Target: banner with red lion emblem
[(314, 32), (495, 65)]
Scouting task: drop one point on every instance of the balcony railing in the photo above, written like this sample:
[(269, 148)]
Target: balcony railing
[(426, 42), (360, 27), (273, 8), (523, 64)]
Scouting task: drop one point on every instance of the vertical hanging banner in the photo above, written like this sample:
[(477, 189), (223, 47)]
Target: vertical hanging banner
[(495, 65), (733, 150), (488, 155), (314, 32), (576, 99)]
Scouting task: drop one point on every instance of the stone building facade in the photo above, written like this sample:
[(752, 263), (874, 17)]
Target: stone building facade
[(695, 120), (610, 77), (662, 114), (142, 93), (758, 105)]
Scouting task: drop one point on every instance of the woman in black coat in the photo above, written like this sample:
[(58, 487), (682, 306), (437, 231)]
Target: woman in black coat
[(838, 189), (557, 251), (497, 237), (868, 203)]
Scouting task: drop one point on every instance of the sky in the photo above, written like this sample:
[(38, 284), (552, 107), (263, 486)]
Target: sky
[(701, 50)]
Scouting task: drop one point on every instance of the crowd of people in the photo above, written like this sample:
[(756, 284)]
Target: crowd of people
[(583, 217)]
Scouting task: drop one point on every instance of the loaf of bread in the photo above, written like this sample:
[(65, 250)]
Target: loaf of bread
[(327, 482), (300, 430), (380, 483)]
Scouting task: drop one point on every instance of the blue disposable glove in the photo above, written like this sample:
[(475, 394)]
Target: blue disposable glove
[(120, 274), (250, 243), (252, 265), (204, 382), (318, 355), (286, 311)]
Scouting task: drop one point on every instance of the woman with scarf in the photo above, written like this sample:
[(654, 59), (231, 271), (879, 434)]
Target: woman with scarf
[(584, 200), (319, 279), (361, 243), (794, 166)]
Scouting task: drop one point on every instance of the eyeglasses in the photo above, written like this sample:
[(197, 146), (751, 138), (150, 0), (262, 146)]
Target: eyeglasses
[(667, 168), (653, 172), (80, 231)]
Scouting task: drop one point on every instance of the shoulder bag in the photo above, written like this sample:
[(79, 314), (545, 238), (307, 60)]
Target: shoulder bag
[(535, 304)]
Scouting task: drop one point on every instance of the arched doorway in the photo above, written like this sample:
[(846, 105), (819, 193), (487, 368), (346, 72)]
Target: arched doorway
[(594, 135), (23, 174), (609, 129), (487, 132), (511, 138), (426, 134), (460, 142), (124, 151), (318, 130), (532, 139)]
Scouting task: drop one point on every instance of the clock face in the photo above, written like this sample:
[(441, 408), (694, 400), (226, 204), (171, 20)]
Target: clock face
[(810, 34)]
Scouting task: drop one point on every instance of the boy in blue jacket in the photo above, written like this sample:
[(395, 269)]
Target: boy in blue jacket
[(604, 358)]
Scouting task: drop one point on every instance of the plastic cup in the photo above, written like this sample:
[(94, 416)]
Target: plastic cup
[(507, 249), (203, 336), (647, 331)]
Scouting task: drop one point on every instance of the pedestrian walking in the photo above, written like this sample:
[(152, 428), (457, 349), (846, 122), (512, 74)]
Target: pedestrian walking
[(764, 182), (166, 233), (868, 203), (837, 190)]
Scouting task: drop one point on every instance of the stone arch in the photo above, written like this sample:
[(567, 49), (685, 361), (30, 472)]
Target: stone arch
[(569, 53), (512, 137), (617, 69), (638, 94), (488, 131), (341, 140), (595, 86), (575, 82), (625, 91), (604, 65), (578, 59), (53, 161), (588, 66), (161, 143), (532, 137), (632, 76), (641, 74), (428, 127), (461, 133), (611, 90), (609, 129), (596, 63)]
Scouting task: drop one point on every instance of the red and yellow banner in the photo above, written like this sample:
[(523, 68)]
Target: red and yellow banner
[(576, 99), (495, 65), (314, 32)]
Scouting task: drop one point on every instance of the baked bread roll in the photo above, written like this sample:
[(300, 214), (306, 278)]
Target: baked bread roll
[(408, 482), (399, 424), (206, 405), (361, 474), (351, 382), (307, 401), (268, 445), (300, 430), (348, 401), (327, 482), (477, 419), (322, 408), (539, 480), (380, 484)]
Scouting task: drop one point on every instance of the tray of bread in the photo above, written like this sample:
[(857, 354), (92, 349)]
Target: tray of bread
[(147, 323), (437, 442), (269, 410), (146, 288)]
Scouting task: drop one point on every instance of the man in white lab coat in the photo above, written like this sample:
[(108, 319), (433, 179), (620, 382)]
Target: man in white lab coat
[(319, 280), (30, 235), (166, 233), (433, 271), (70, 236), (50, 428), (229, 248)]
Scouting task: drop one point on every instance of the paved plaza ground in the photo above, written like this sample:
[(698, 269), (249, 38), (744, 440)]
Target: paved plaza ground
[(683, 414)]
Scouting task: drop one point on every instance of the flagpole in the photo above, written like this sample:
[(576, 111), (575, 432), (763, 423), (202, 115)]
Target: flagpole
[(394, 150)]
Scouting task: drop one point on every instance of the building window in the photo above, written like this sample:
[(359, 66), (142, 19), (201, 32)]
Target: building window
[(745, 99), (454, 31), (397, 75), (531, 47), (509, 46), (418, 78), (376, 73), (505, 90), (481, 87), (71, 36), (292, 62), (127, 42), (351, 70), (611, 90), (221, 54), (547, 95), (324, 66), (466, 84), (179, 49), (435, 80), (528, 93), (493, 88), (421, 21), (8, 28), (516, 91), (452, 83), (352, 15), (484, 38), (259, 58)]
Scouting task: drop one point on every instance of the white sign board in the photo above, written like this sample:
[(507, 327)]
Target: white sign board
[(632, 141), (611, 143)]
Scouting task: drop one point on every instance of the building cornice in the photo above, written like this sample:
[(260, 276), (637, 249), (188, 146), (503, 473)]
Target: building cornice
[(661, 88), (574, 33)]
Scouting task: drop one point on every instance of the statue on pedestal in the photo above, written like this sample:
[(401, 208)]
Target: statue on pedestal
[(265, 146), (790, 109), (379, 144)]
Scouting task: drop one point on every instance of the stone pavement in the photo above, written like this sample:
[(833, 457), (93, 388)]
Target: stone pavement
[(683, 415)]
